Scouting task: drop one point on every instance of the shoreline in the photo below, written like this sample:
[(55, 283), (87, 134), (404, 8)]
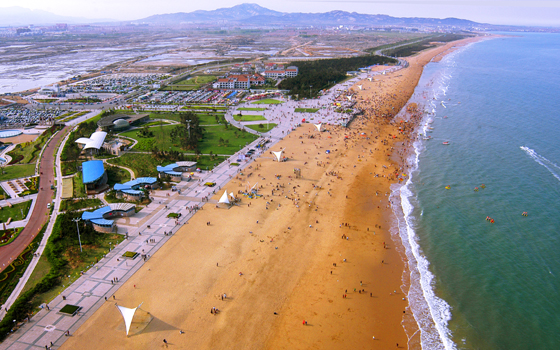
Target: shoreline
[(266, 304)]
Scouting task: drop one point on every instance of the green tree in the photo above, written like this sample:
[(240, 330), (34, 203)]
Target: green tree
[(189, 132)]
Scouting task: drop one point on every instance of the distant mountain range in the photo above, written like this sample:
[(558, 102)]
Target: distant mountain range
[(19, 16), (254, 14), (244, 14)]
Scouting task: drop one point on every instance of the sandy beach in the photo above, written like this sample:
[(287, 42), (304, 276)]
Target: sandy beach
[(310, 265)]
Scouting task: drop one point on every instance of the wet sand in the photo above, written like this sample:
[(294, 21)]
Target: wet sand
[(288, 257)]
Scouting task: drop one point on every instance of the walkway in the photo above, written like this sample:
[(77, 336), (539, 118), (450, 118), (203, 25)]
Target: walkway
[(39, 216), (147, 231)]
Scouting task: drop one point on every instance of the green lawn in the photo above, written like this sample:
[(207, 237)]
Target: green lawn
[(79, 187), (180, 88), (15, 211), (28, 152), (251, 109), (204, 117), (71, 204), (10, 276), (145, 164), (192, 83), (235, 136), (3, 194), (306, 110), (210, 143), (116, 175), (269, 101), (68, 168), (264, 128), (248, 118), (205, 107), (16, 171)]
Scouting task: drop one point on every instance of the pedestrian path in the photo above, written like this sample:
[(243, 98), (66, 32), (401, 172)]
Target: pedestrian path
[(146, 232)]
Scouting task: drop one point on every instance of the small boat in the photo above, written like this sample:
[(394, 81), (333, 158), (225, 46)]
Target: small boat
[(446, 142), (447, 187)]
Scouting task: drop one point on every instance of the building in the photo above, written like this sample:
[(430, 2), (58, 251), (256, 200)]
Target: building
[(291, 71), (100, 218), (94, 176), (176, 170), (239, 81), (135, 190), (117, 122), (114, 147), (279, 72), (274, 74), (92, 144)]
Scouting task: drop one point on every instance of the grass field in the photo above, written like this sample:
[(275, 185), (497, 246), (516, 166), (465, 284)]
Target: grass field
[(306, 110), (116, 175), (205, 107), (144, 164), (265, 128), (210, 143), (15, 211), (68, 168), (192, 83), (205, 117), (79, 187), (236, 138), (71, 204), (248, 118), (269, 101), (17, 171), (256, 109)]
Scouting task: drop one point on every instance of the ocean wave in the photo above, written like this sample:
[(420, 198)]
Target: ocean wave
[(431, 313), (542, 161)]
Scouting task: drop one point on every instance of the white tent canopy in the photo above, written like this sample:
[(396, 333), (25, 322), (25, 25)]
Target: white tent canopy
[(224, 198), (318, 126), (128, 315), (278, 155)]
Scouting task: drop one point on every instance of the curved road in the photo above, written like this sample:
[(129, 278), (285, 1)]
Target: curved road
[(39, 216)]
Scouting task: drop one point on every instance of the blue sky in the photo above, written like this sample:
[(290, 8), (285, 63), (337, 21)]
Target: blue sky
[(516, 12)]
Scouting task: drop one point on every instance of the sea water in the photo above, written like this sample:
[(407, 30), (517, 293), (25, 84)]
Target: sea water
[(475, 284)]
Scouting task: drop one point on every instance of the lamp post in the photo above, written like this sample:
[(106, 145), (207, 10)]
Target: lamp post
[(76, 220)]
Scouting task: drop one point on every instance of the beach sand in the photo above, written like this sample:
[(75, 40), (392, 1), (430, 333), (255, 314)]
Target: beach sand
[(276, 255)]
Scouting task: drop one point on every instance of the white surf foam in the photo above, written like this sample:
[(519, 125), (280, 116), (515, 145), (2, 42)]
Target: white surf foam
[(432, 314), (542, 161)]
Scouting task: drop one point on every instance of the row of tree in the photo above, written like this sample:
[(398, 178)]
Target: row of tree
[(314, 76)]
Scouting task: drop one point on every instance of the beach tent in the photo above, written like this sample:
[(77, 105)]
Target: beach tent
[(278, 155), (318, 126), (224, 198), (128, 315), (360, 87)]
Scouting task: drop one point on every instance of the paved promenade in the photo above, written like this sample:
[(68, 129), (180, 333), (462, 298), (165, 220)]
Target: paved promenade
[(149, 229)]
